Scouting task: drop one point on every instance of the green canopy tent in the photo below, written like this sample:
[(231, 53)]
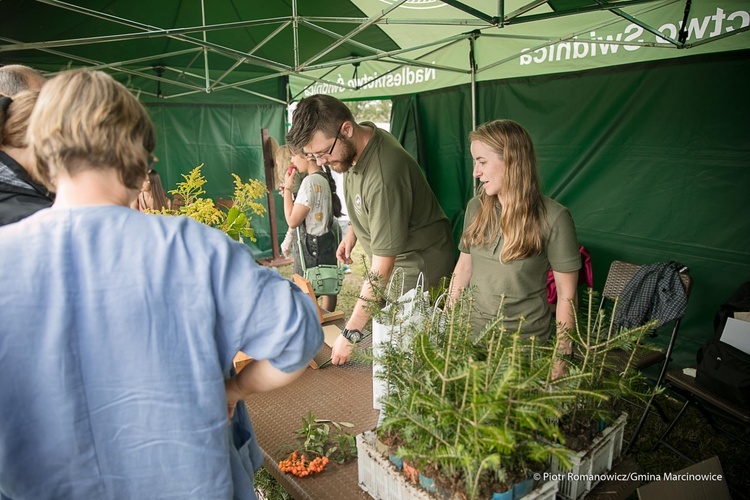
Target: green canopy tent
[(638, 122)]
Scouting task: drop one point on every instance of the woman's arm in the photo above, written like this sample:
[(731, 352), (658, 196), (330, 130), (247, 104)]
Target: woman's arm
[(461, 274), (258, 376), (567, 298), (293, 213)]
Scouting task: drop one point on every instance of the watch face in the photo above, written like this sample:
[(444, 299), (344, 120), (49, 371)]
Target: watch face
[(353, 336)]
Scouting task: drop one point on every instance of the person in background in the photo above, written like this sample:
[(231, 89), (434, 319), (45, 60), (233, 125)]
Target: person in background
[(512, 236), (152, 195), (171, 299), (394, 213), (15, 78), (20, 194), (313, 213), (283, 164)]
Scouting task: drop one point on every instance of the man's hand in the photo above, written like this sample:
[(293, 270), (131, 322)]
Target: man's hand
[(344, 252), (342, 351)]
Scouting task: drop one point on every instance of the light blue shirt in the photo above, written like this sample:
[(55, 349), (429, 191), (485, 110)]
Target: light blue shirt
[(117, 331)]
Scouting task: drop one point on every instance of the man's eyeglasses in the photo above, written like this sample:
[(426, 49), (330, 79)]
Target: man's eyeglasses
[(314, 157)]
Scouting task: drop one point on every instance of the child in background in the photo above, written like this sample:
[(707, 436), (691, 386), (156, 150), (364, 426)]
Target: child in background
[(283, 162), (313, 213)]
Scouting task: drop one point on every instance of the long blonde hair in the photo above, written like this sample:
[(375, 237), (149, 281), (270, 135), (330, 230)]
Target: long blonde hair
[(522, 219)]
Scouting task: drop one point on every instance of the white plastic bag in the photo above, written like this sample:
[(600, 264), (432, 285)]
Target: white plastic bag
[(394, 325)]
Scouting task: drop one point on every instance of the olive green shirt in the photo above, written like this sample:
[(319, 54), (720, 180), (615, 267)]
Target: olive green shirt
[(524, 281), (395, 213)]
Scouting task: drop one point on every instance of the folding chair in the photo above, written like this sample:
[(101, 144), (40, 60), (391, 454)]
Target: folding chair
[(702, 398), (619, 275)]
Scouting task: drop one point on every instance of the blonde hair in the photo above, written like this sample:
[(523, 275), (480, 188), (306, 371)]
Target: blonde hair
[(282, 160), (86, 120), (522, 220), (15, 121)]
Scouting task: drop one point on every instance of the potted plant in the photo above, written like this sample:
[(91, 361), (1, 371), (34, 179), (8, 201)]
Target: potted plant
[(235, 221), (470, 413), (600, 381), (480, 415)]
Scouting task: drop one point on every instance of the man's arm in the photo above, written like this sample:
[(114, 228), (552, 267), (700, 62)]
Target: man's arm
[(342, 348), (344, 251)]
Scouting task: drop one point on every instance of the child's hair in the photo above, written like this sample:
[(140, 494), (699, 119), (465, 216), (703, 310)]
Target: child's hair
[(159, 195), (282, 160), (335, 200)]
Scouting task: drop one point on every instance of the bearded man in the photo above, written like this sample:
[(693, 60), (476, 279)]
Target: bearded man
[(394, 212)]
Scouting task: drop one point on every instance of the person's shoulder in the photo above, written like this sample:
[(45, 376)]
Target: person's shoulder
[(473, 205), (552, 206), (553, 209)]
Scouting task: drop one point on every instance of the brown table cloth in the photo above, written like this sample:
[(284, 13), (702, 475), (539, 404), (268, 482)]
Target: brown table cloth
[(341, 394)]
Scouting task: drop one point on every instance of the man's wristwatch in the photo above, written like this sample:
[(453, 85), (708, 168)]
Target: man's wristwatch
[(353, 336)]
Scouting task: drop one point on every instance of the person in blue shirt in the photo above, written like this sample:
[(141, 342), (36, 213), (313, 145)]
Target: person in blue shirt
[(119, 328)]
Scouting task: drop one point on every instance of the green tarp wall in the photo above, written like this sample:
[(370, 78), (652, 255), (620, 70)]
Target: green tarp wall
[(226, 139), (653, 161)]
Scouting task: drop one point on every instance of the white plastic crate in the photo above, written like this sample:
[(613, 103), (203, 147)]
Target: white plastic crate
[(379, 477), (598, 459)]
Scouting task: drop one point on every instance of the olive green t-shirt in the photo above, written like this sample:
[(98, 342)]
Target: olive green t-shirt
[(524, 281), (395, 213)]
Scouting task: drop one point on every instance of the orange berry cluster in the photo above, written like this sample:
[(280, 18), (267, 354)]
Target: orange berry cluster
[(299, 466)]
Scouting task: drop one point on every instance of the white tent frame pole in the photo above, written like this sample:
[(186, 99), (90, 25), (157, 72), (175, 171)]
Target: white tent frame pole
[(443, 42), (377, 52), (219, 49), (295, 31), (144, 59), (205, 50), (254, 49), (390, 20), (352, 34)]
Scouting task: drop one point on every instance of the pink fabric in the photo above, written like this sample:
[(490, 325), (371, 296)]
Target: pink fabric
[(585, 276)]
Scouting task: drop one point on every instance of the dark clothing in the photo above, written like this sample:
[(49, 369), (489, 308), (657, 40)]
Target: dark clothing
[(654, 292), (20, 196), (318, 250)]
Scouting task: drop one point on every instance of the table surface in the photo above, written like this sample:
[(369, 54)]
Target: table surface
[(341, 394)]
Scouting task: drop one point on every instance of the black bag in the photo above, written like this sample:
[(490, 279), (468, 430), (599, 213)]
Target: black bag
[(739, 301), (725, 370)]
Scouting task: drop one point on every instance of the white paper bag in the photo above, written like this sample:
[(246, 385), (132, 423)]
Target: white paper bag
[(394, 325)]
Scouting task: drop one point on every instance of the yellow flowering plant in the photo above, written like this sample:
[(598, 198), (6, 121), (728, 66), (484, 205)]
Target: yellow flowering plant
[(235, 221)]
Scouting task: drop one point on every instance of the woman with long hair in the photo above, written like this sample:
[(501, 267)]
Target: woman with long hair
[(152, 195), (313, 213), (512, 236), (20, 194)]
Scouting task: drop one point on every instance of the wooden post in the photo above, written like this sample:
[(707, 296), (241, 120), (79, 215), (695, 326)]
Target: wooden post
[(268, 163)]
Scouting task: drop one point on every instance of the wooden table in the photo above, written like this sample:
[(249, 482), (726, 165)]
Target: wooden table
[(342, 394)]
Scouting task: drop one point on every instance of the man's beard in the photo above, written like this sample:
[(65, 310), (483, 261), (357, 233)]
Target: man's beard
[(347, 152)]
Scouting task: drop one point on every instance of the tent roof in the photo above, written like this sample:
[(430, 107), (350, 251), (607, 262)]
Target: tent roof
[(180, 50)]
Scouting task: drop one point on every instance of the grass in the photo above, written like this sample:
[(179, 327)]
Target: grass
[(693, 435)]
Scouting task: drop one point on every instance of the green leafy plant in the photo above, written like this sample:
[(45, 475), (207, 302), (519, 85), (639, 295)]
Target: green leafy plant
[(326, 438), (235, 221), (480, 412)]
